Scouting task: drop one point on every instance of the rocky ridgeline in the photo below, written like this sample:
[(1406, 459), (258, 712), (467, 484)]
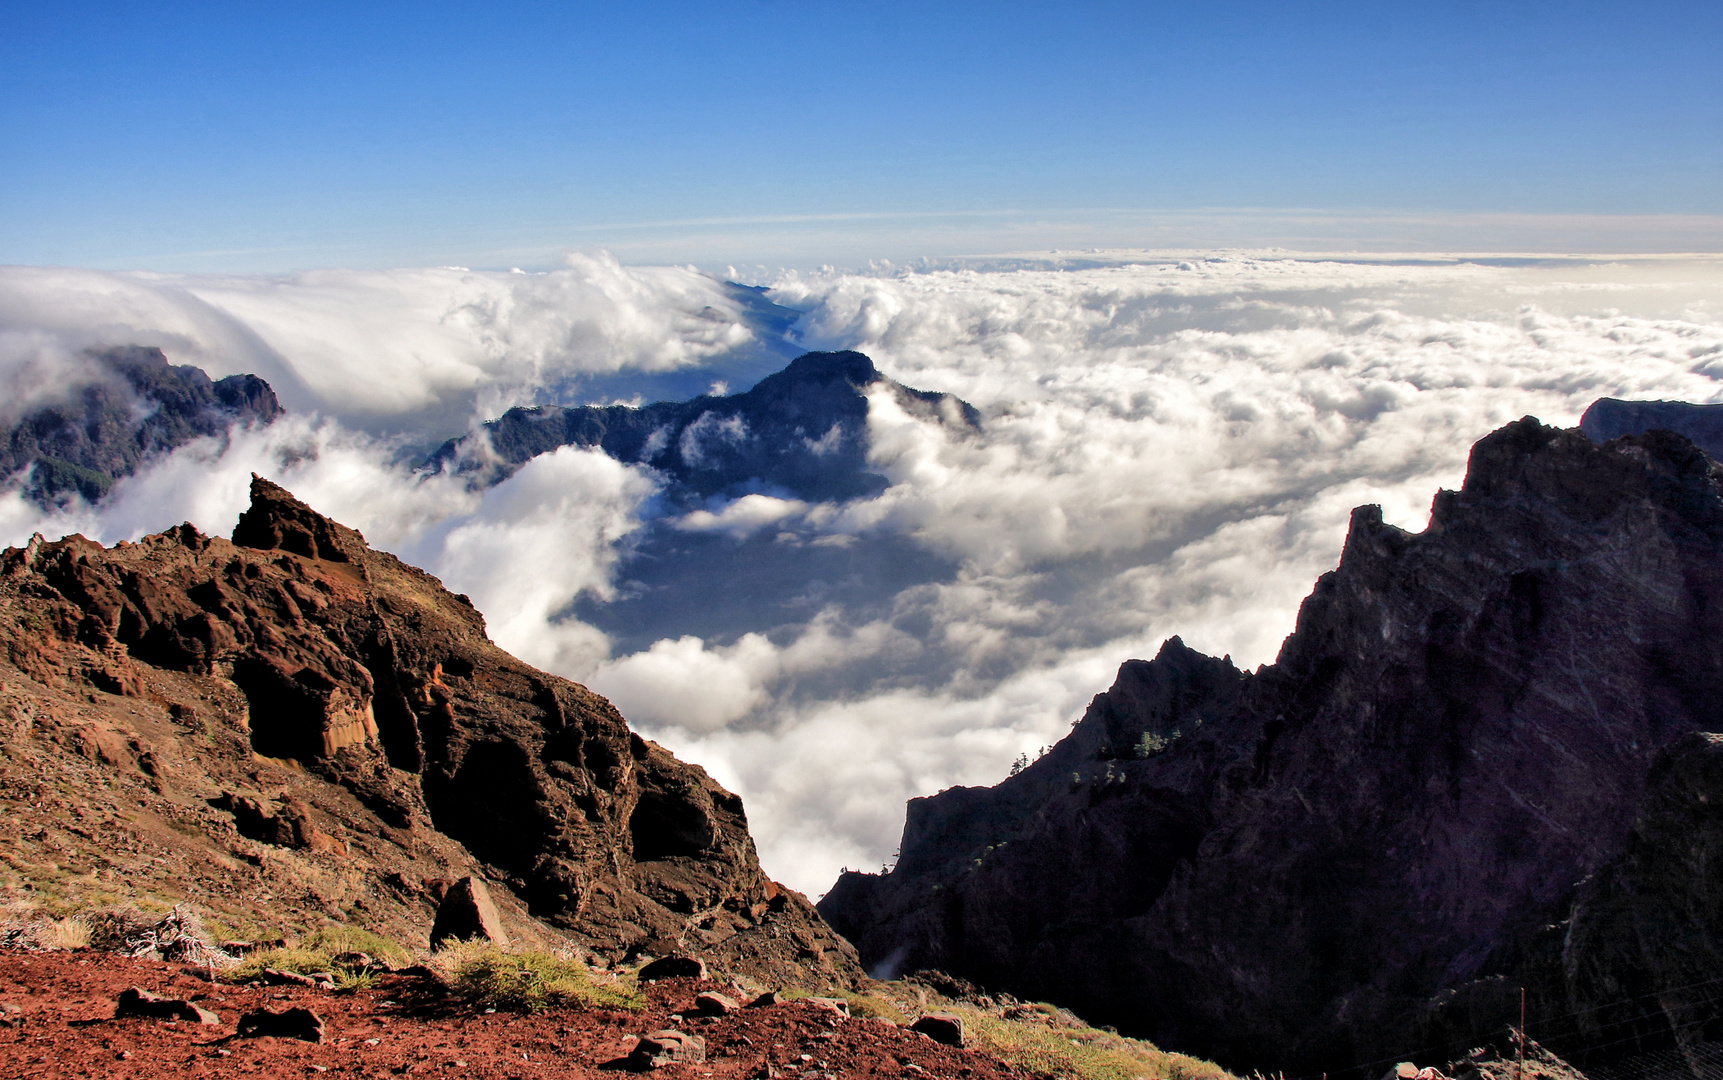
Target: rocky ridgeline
[(290, 726), (802, 430), (1486, 758), (136, 406)]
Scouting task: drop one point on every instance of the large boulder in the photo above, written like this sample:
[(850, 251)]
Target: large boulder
[(466, 914)]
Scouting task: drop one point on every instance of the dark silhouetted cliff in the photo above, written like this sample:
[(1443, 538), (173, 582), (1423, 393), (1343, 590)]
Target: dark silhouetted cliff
[(1481, 761)]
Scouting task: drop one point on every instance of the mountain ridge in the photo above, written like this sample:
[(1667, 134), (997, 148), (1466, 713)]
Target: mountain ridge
[(1366, 845), (800, 430), (81, 447), (295, 678)]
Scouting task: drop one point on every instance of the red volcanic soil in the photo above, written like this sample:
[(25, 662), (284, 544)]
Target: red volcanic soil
[(63, 1027)]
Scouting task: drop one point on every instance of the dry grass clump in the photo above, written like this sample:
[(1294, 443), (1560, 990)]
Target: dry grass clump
[(878, 1005), (72, 932), (1037, 1037), (40, 932), (346, 954), (1056, 1043), (483, 974), (339, 940)]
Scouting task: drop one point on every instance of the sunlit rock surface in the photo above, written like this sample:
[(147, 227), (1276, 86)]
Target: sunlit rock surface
[(401, 729)]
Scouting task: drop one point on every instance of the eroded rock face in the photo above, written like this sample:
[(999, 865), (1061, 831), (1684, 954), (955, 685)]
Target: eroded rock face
[(371, 676), (1369, 845)]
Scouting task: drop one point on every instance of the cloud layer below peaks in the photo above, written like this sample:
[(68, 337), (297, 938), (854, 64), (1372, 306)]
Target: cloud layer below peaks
[(1167, 446)]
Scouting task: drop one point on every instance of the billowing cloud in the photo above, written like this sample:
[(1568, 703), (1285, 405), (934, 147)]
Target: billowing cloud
[(392, 349), (741, 517), (1168, 445)]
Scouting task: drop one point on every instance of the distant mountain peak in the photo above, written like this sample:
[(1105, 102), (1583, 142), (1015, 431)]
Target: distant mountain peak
[(801, 432), (97, 434)]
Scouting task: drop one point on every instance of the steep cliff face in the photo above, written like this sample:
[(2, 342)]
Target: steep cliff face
[(141, 406), (802, 430), (351, 669), (1370, 844)]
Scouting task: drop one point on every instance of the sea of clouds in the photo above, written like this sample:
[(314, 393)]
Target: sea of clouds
[(1169, 445)]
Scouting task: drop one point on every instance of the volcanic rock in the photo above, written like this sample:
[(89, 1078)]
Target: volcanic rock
[(298, 664), (714, 1004), (673, 967), (296, 1023), (944, 1028), (147, 1006), (467, 913), (1483, 753), (667, 1047)]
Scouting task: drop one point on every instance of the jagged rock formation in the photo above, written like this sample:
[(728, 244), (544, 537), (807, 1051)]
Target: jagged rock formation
[(144, 407), (1611, 418), (801, 431), (1475, 735), (404, 729)]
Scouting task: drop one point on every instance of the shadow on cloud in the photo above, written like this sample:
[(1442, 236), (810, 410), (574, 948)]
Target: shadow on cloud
[(1164, 446)]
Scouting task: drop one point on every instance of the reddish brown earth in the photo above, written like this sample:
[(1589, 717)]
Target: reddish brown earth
[(405, 1025)]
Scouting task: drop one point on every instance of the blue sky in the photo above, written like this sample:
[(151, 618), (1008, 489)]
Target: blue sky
[(182, 136)]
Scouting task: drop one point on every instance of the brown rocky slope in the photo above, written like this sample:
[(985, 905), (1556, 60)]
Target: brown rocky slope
[(1479, 762), (291, 729)]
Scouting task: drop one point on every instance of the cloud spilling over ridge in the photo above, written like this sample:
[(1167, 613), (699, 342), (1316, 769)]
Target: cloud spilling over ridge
[(1167, 446), (398, 349)]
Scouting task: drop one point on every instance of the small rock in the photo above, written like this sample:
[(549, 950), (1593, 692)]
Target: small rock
[(672, 967), (146, 1006), (667, 1048), (712, 1004), (287, 1024), (837, 1005), (466, 912), (941, 1028), (770, 997), (319, 980), (11, 1016)]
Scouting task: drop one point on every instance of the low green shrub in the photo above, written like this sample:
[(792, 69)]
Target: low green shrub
[(336, 940), (1044, 1044), (483, 974), (322, 951)]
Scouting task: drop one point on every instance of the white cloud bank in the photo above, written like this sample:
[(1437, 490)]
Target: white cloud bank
[(1168, 446), (389, 349)]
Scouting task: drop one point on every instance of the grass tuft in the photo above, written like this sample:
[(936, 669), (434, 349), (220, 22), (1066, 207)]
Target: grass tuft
[(483, 974), (1043, 1041), (324, 951)]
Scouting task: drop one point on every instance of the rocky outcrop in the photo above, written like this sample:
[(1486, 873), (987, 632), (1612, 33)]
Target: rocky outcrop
[(802, 430), (1478, 757), (342, 664), (467, 914), (140, 406)]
